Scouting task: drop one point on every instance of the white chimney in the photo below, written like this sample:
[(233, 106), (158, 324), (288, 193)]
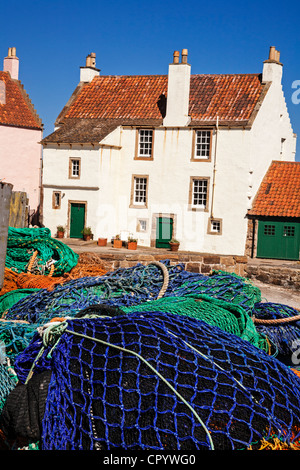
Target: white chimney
[(11, 63), (178, 91), (88, 72), (272, 69)]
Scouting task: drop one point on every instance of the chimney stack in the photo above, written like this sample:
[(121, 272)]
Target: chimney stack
[(272, 69), (11, 63), (88, 72), (178, 91)]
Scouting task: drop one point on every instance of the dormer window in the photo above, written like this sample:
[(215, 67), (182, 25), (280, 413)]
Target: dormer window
[(202, 145), (144, 144)]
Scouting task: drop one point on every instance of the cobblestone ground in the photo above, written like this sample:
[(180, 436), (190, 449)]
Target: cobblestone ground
[(278, 295)]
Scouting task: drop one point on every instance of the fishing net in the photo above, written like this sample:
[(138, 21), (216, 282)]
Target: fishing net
[(132, 286), (147, 386), (281, 324), (15, 336), (151, 380), (34, 250), (8, 381), (229, 317), (10, 298)]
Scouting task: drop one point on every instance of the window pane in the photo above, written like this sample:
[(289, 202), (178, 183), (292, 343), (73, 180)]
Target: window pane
[(288, 231), (202, 144), (140, 190), (145, 142), (75, 167), (269, 230), (215, 226), (199, 193)]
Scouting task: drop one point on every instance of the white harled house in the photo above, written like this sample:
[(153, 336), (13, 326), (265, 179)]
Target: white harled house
[(161, 156)]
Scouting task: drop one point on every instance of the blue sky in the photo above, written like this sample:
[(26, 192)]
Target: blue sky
[(131, 37)]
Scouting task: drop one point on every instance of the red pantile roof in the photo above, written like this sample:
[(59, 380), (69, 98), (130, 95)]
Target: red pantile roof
[(17, 110), (141, 100), (279, 192), (231, 97)]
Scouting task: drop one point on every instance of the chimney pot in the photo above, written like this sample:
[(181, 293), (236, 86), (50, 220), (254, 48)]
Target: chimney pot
[(184, 56), (272, 69), (176, 57), (88, 72), (272, 53)]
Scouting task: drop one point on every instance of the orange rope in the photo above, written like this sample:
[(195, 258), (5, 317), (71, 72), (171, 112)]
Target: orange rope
[(32, 259)]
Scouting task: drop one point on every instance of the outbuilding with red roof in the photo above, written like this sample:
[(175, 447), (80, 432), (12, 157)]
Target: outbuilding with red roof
[(275, 213)]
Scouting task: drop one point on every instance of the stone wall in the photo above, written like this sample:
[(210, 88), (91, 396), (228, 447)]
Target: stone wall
[(284, 276), (197, 263)]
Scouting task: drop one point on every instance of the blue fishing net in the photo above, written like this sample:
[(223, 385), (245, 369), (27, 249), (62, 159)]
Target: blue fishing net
[(281, 325), (150, 380)]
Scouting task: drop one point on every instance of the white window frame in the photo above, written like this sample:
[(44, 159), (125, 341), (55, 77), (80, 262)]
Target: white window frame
[(145, 143), (74, 168), (215, 226), (202, 144), (139, 191), (142, 225), (199, 193)]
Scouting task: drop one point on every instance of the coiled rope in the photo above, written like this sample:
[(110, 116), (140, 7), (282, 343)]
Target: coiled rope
[(277, 320), (166, 277)]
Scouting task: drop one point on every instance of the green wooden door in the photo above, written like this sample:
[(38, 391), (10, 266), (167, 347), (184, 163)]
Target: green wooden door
[(77, 217), (278, 240), (164, 231)]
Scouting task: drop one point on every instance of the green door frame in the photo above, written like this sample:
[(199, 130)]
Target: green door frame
[(278, 239)]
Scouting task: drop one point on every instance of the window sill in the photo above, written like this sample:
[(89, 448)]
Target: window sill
[(135, 206)]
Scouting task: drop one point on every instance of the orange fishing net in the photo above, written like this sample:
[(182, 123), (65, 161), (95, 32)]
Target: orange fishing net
[(88, 265), (276, 444)]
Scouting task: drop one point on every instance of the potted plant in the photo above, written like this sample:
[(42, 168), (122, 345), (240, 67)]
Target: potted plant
[(132, 243), (174, 244), (117, 242), (60, 231), (102, 242), (87, 233)]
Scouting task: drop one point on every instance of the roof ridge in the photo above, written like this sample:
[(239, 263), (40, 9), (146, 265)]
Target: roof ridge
[(255, 74)]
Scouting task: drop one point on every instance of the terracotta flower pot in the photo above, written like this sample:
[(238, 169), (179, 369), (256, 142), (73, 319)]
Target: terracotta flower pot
[(60, 234), (102, 241), (118, 243), (132, 245), (87, 237), (174, 246)]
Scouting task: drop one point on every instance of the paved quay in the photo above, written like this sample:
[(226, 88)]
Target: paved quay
[(278, 280)]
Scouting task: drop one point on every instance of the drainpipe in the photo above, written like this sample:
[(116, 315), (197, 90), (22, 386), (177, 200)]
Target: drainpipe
[(214, 170)]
